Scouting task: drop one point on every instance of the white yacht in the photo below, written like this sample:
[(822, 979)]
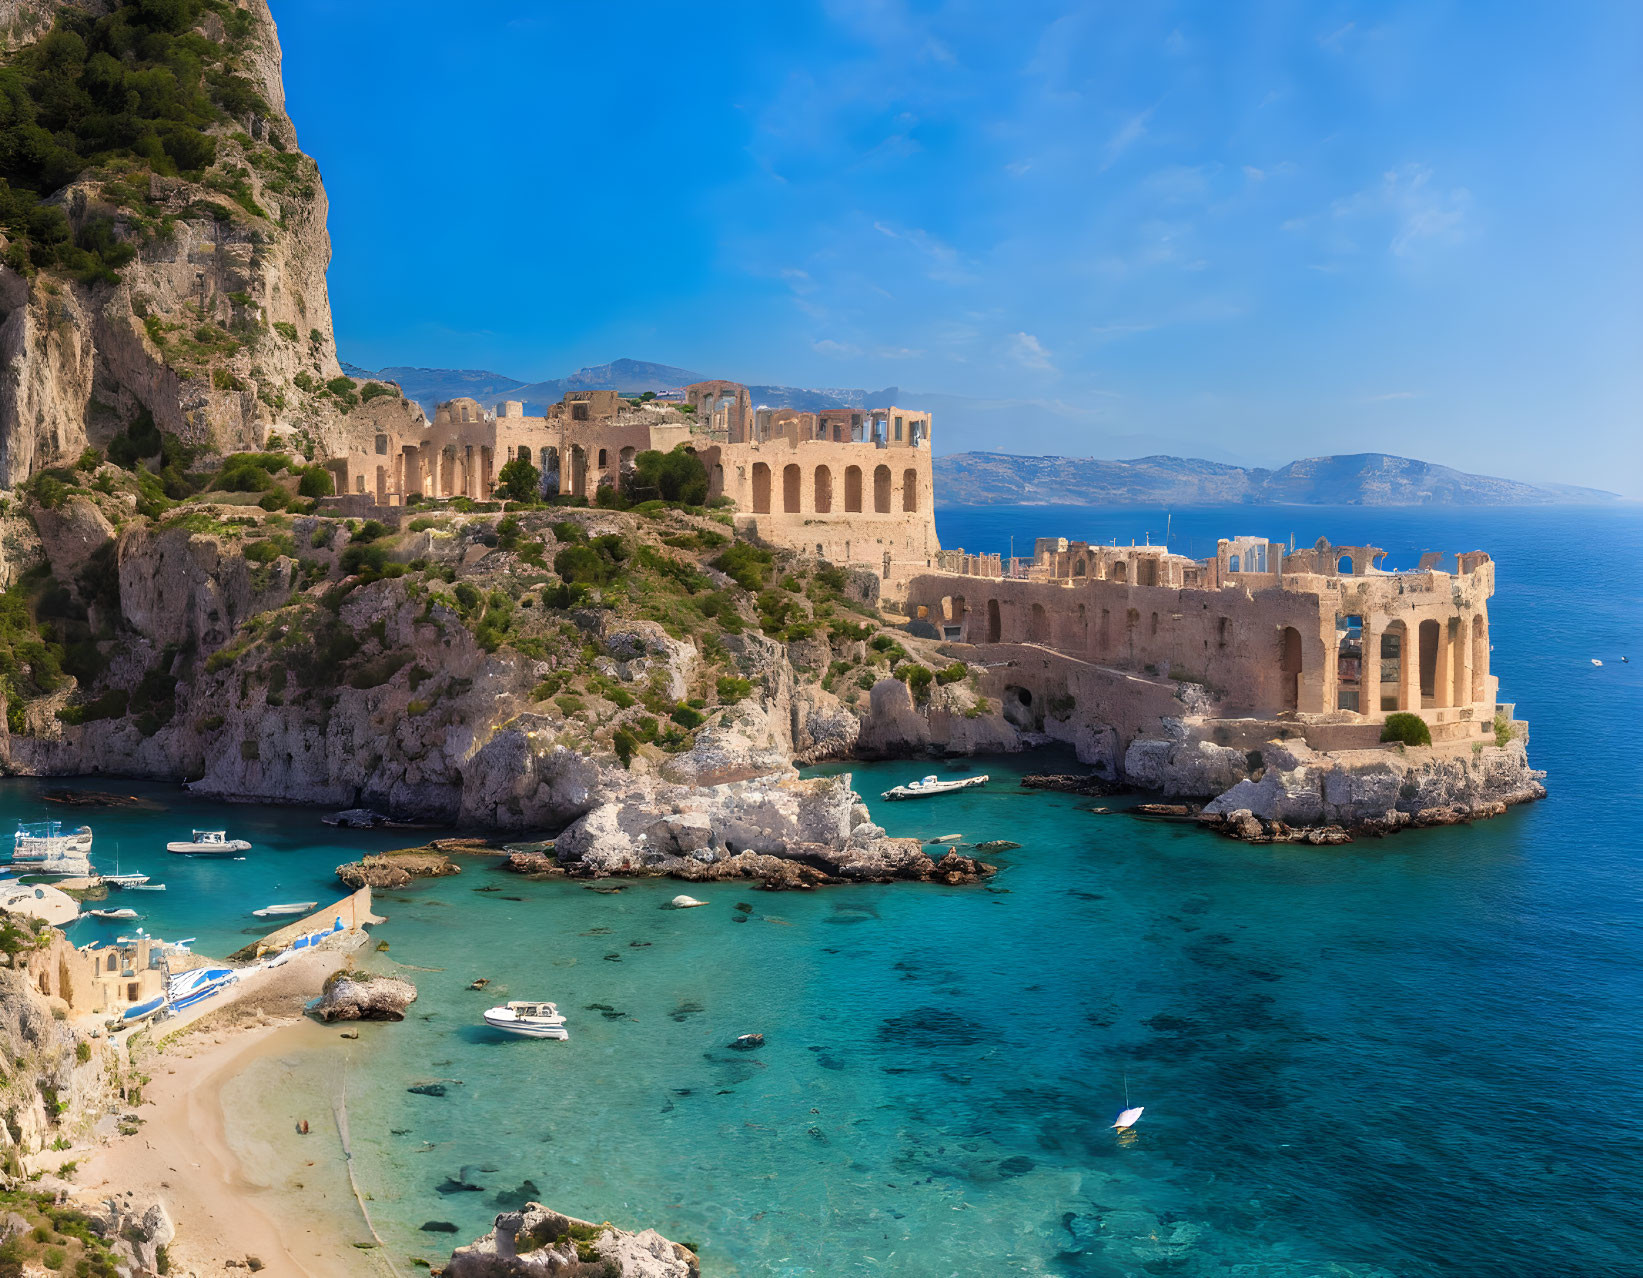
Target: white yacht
[(529, 1020), (209, 843), (46, 848), (287, 907), (932, 785)]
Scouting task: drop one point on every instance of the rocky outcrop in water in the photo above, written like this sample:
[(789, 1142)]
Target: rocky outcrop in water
[(396, 869), (538, 1241), (364, 996), (1302, 795)]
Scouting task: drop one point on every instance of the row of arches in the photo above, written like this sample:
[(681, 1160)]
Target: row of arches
[(821, 491)]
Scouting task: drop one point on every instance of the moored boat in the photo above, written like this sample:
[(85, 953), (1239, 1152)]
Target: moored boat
[(209, 843), (290, 907), (932, 785), (528, 1020), (46, 848), (142, 1011), (112, 914), (125, 880), (197, 984)]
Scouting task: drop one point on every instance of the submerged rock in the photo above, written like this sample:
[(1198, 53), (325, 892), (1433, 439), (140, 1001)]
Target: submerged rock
[(748, 1042), (538, 1241), (364, 996), (1071, 783)]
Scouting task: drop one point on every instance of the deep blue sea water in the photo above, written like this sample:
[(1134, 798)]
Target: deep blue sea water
[(1419, 1056)]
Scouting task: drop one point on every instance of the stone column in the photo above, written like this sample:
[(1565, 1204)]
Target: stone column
[(1462, 661), (1369, 669), (1443, 672), (1409, 670)]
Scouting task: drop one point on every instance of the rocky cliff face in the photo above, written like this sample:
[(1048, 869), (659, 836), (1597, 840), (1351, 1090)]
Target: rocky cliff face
[(219, 327)]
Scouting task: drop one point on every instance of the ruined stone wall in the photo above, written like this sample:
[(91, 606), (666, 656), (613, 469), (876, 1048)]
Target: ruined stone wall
[(1362, 647), (852, 504)]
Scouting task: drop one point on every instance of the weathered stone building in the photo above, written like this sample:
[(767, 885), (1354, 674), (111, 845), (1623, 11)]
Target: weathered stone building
[(853, 487), (1322, 639)]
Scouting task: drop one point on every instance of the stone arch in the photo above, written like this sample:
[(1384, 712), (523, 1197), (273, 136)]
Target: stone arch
[(550, 471), (790, 488), (1290, 667), (909, 490), (578, 470), (1120, 571), (1391, 675), (382, 486), (761, 489), (1431, 635), (1234, 564), (1038, 625), (852, 489), (995, 624), (1152, 633), (624, 459), (1080, 568), (823, 485), (604, 459), (881, 490), (1345, 566)]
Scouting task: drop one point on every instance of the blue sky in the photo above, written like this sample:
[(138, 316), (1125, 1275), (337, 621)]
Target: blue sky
[(1247, 231)]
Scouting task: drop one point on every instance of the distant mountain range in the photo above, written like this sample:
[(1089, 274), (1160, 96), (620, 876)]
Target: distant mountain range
[(433, 386), (1360, 479)]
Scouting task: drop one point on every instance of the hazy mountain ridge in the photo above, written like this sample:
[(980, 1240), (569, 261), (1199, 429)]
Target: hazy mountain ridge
[(1359, 479), (432, 386)]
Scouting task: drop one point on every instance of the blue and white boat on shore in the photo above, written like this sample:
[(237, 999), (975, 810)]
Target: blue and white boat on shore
[(142, 1011), (198, 984)]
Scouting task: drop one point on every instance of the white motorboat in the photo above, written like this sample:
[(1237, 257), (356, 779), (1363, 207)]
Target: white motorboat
[(46, 848), (209, 843), (112, 914), (125, 880), (197, 984), (529, 1020), (932, 785), (290, 907)]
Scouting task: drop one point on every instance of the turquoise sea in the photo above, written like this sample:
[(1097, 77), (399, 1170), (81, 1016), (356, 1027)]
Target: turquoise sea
[(1420, 1056)]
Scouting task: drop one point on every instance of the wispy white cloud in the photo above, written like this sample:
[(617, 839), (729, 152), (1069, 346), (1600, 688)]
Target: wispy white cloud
[(1029, 352), (827, 346), (1131, 131), (945, 265), (1421, 212)]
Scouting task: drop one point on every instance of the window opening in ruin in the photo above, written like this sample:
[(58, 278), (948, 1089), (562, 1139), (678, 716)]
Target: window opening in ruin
[(790, 489), (824, 490), (1079, 568), (995, 624), (852, 490), (1391, 667), (1038, 624), (1348, 661), (881, 490), (761, 488), (909, 490), (1120, 571), (1234, 564), (1154, 631), (1223, 631), (1430, 632), (382, 444), (1146, 572), (1289, 667), (1344, 565), (898, 430)]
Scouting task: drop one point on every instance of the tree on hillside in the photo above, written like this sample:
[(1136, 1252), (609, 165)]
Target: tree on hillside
[(518, 480), (677, 476)]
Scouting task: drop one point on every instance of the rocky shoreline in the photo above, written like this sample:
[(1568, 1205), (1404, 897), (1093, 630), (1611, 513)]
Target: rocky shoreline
[(537, 1241)]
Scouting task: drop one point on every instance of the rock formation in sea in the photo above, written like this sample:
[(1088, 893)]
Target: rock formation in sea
[(351, 995), (540, 1241)]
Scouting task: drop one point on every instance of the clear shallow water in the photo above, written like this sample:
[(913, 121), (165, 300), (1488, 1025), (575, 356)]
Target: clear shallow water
[(1420, 1056)]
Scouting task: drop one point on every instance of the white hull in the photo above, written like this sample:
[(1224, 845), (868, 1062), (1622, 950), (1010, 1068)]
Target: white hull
[(239, 847), (279, 911), (522, 1030), (930, 787)]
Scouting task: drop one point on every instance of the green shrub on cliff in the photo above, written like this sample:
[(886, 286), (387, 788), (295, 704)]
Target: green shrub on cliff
[(138, 85), (1407, 729)]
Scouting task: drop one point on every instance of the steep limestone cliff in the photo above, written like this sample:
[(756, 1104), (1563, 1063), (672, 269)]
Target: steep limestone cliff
[(185, 291)]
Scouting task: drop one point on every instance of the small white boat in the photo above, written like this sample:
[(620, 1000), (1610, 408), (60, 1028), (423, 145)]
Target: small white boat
[(1596, 662), (125, 880), (198, 984), (682, 902), (945, 838), (1129, 1118), (112, 914), (529, 1020), (146, 887), (290, 907), (932, 785), (209, 843)]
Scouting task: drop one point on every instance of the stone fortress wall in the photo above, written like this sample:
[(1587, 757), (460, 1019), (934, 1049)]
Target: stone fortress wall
[(1322, 638), (853, 487)]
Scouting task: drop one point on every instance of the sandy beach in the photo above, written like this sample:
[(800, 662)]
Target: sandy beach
[(289, 1208)]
